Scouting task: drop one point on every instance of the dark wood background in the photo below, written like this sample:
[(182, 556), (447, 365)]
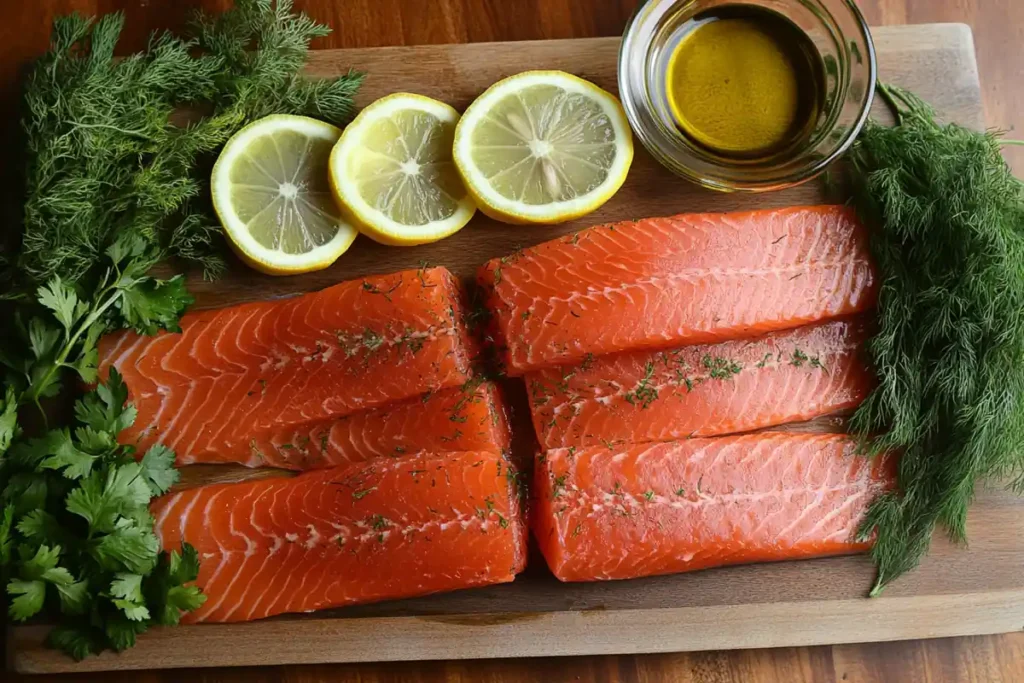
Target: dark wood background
[(999, 35)]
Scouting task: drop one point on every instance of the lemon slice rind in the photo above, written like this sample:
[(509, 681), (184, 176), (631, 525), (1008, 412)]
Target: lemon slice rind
[(497, 205), (249, 250), (370, 220)]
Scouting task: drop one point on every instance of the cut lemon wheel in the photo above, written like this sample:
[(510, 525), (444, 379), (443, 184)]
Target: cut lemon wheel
[(393, 175), (543, 147), (271, 192)]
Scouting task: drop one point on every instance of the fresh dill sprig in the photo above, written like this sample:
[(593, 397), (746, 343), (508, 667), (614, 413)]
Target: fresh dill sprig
[(106, 154), (947, 233)]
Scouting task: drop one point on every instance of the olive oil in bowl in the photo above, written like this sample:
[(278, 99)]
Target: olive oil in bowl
[(747, 95), (744, 82)]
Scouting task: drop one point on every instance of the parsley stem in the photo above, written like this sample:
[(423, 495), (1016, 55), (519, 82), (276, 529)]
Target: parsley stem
[(62, 358)]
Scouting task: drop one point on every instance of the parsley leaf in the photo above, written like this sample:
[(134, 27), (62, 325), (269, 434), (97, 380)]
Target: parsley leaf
[(89, 356), (150, 305), (27, 598), (34, 566), (172, 596), (8, 420), (74, 597), (76, 639), (93, 441), (103, 498), (127, 592), (104, 410), (158, 469), (41, 526), (26, 492), (61, 298), (121, 631), (42, 338), (6, 541), (75, 463), (128, 546)]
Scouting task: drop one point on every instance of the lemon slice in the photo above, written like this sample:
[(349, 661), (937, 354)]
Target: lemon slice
[(543, 147), (393, 175), (271, 192)]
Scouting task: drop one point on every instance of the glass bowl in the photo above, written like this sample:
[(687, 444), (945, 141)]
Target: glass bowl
[(837, 29)]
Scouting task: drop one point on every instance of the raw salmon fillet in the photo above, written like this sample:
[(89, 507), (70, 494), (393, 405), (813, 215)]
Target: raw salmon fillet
[(702, 390), (238, 373), (359, 533), (662, 508), (468, 418), (664, 282)]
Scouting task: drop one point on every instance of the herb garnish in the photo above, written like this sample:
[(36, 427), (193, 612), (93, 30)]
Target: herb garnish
[(644, 394), (720, 368), (947, 234), (106, 161), (359, 495), (76, 535)]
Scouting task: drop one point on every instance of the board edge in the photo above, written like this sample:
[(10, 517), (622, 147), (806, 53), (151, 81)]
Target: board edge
[(551, 634)]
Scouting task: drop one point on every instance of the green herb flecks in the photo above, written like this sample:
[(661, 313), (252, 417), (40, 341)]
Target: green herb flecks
[(644, 394), (947, 235), (720, 368), (558, 486), (374, 289), (359, 495)]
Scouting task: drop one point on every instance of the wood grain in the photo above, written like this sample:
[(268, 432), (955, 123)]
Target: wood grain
[(982, 659), (542, 634), (956, 591), (999, 31)]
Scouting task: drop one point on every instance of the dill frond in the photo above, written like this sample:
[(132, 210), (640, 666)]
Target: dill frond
[(947, 222), (105, 156)]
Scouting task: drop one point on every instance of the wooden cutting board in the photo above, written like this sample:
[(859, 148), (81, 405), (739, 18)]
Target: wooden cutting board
[(957, 591)]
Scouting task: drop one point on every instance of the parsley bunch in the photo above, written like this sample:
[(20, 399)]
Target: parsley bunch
[(76, 535)]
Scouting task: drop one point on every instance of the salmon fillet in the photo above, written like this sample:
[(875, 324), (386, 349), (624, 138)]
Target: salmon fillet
[(468, 418), (240, 372), (662, 508), (664, 282), (359, 533), (702, 390)]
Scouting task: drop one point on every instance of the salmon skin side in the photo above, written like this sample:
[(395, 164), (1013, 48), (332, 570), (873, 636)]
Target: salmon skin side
[(702, 390), (237, 373), (672, 507), (364, 532), (664, 282), (473, 417)]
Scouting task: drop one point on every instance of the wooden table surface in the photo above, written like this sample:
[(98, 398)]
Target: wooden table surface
[(999, 35)]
